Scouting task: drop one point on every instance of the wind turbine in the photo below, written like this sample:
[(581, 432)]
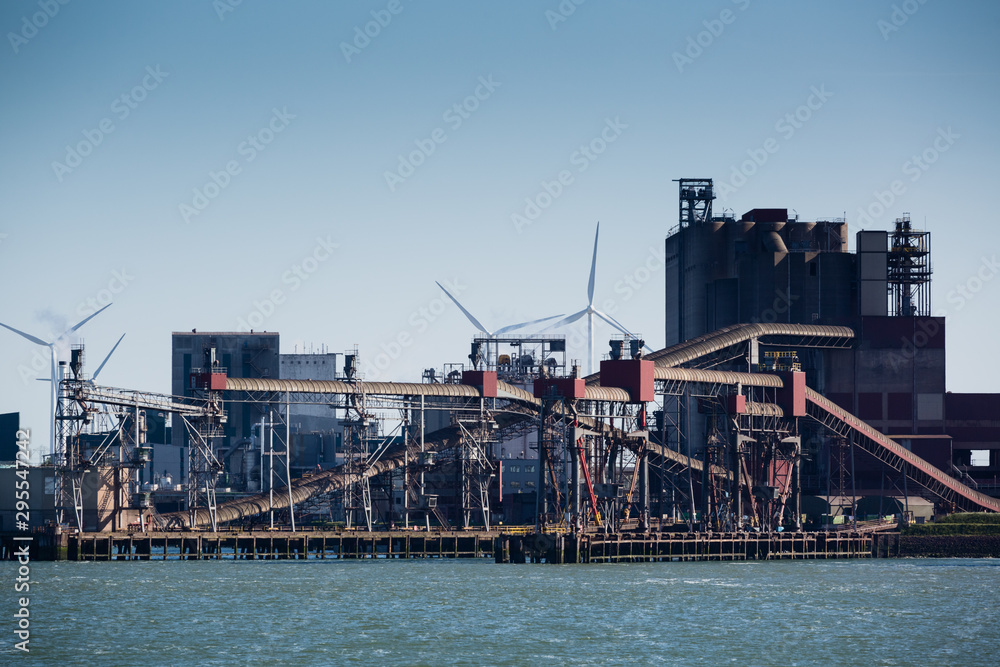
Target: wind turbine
[(480, 327), (101, 367), (590, 311), (54, 381)]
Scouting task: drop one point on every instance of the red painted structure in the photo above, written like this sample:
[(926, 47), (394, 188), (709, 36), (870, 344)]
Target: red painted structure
[(633, 375), (792, 397), (485, 381), (209, 381), (564, 387)]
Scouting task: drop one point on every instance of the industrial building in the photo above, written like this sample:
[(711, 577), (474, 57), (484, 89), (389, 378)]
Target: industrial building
[(10, 422), (316, 430), (240, 355), (769, 266), (801, 383)]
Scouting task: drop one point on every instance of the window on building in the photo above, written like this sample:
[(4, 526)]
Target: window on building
[(980, 458), (529, 468), (529, 485), (515, 485), (514, 469)]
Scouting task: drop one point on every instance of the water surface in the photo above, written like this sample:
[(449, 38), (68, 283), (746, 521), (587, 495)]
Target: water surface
[(447, 612)]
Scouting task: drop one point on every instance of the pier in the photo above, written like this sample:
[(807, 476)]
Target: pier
[(660, 547), (502, 547), (278, 545), (516, 546)]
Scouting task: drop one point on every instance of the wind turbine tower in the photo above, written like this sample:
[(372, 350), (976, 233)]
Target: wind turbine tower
[(54, 348), (590, 311)]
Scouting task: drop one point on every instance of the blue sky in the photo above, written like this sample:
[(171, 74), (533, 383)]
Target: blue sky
[(305, 234)]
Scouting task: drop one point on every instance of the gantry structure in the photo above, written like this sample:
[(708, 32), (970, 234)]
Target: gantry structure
[(602, 461)]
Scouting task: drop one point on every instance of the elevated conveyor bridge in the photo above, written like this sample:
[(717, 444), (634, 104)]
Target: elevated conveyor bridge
[(517, 404)]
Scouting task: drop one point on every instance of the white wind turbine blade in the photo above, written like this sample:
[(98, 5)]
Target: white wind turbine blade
[(618, 325), (55, 344), (84, 321), (469, 315), (613, 322), (99, 368), (512, 327), (593, 269), (37, 341), (568, 320), (53, 380)]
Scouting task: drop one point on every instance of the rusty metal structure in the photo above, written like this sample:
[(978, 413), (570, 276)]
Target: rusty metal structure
[(101, 444), (755, 465), (909, 270), (604, 463)]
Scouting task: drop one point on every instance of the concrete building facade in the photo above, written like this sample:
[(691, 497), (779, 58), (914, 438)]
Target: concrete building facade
[(243, 355)]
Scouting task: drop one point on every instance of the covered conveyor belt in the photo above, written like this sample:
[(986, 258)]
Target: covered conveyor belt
[(305, 488), (896, 456), (718, 377), (504, 390), (339, 387), (800, 335), (523, 404)]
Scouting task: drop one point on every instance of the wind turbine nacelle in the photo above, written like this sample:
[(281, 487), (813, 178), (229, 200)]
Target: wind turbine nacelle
[(633, 375), (484, 381)]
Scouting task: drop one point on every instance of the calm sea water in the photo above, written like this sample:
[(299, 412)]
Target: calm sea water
[(440, 612)]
